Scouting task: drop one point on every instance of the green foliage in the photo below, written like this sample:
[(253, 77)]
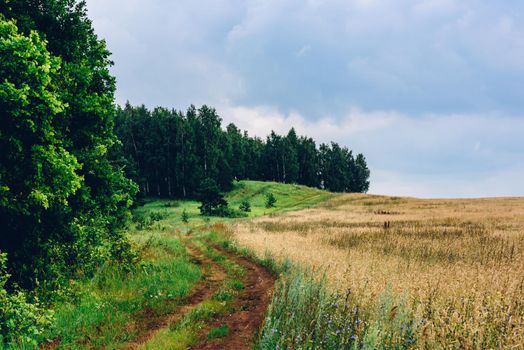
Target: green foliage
[(62, 199), (114, 298), (245, 206), (213, 202), (218, 332), (185, 217), (271, 200), (21, 322)]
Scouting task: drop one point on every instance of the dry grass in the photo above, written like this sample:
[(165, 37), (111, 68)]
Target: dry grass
[(458, 263)]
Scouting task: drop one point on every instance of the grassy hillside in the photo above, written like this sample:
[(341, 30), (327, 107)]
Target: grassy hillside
[(452, 270), (289, 197)]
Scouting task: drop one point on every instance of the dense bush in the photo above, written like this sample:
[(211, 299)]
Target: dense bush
[(21, 322)]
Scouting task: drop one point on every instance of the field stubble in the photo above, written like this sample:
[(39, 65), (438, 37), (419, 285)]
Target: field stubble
[(459, 264)]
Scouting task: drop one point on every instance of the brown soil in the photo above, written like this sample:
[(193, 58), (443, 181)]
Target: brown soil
[(213, 277), (249, 309)]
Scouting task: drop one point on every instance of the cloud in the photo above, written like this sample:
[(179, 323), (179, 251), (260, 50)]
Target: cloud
[(432, 92), (417, 57), (433, 155)]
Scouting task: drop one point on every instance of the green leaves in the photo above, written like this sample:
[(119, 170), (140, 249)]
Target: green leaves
[(21, 322), (62, 199)]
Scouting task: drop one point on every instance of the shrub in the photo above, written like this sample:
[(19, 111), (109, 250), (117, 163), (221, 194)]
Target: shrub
[(218, 332), (143, 221), (21, 322), (185, 217), (245, 206), (157, 216), (271, 200)]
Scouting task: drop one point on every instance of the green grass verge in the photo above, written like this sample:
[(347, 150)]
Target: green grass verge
[(218, 332), (112, 305)]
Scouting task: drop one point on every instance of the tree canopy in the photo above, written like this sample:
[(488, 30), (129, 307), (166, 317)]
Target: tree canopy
[(62, 199)]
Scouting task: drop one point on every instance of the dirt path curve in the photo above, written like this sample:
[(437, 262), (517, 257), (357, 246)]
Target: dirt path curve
[(214, 275), (249, 308)]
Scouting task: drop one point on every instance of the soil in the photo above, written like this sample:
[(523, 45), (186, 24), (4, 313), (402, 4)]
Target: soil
[(249, 309)]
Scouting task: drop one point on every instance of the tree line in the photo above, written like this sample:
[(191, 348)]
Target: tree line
[(168, 153)]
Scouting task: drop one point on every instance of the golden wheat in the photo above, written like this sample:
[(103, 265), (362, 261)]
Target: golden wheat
[(459, 264)]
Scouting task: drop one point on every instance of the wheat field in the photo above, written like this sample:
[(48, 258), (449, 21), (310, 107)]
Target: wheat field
[(456, 265)]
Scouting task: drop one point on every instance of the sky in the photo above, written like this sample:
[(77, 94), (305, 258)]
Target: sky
[(430, 91)]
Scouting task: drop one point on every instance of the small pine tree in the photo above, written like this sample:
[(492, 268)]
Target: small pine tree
[(245, 206), (270, 200), (213, 202), (185, 217)]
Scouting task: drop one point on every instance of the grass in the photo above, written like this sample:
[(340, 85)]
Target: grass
[(112, 306), (188, 330), (449, 271), (289, 198), (218, 332)]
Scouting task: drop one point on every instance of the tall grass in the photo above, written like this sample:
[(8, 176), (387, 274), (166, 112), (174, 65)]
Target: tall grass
[(305, 314), (456, 266), (113, 306)]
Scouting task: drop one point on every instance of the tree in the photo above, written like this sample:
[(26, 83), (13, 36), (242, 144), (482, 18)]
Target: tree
[(290, 163), (169, 153), (185, 217), (361, 174), (38, 176), (308, 163), (213, 202), (83, 232)]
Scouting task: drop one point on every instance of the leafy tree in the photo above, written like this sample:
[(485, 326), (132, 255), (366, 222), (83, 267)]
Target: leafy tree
[(38, 176), (80, 194)]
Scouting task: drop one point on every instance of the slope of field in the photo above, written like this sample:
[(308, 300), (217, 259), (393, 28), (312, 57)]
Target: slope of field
[(289, 197), (457, 266)]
